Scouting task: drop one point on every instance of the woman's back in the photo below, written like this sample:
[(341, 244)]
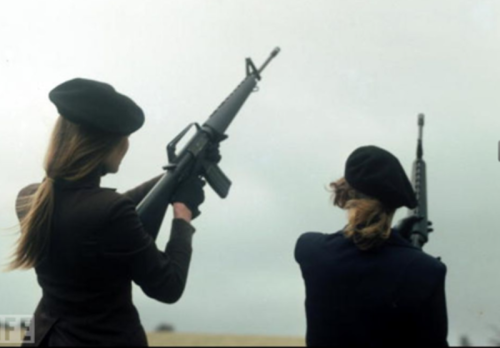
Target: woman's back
[(366, 285), (372, 298), (86, 287), (87, 243)]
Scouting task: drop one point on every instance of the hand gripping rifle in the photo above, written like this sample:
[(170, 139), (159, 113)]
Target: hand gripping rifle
[(419, 233), (191, 160)]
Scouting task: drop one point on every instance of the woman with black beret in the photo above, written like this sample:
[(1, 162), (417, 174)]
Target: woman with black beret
[(86, 243), (367, 285)]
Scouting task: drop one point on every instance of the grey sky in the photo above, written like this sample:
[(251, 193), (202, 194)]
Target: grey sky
[(350, 73)]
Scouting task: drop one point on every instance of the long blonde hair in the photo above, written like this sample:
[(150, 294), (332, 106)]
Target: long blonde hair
[(369, 220), (74, 152)]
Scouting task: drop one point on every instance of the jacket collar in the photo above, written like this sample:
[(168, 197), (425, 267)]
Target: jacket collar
[(90, 181), (396, 239)]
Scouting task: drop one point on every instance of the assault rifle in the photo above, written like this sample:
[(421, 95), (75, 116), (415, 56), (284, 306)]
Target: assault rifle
[(191, 160), (419, 233)]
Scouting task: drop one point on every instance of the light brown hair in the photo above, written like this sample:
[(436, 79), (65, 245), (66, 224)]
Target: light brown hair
[(74, 152), (369, 220)]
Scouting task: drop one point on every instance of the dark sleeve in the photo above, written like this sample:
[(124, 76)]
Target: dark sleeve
[(138, 193), (161, 275), (434, 320), (22, 200)]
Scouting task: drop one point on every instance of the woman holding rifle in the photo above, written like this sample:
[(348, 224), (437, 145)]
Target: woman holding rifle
[(86, 243), (367, 285)]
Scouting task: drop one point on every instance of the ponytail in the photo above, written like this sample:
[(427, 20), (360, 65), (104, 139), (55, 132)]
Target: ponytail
[(74, 152), (35, 226), (369, 221)]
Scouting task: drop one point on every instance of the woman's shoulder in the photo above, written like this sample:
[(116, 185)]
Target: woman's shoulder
[(403, 249), (309, 242), (103, 202), (23, 199), (311, 237), (421, 269), (428, 264), (423, 275), (96, 205), (28, 190), (107, 196)]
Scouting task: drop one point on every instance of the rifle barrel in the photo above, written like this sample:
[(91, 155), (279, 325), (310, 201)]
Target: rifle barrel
[(273, 54), (222, 117), (420, 150)]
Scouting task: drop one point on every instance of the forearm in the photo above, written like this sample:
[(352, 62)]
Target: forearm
[(179, 249), (166, 280)]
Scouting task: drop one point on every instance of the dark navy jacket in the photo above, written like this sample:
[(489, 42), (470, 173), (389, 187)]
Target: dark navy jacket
[(391, 296)]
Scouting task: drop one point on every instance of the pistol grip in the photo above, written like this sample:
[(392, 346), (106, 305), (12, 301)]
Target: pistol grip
[(217, 180)]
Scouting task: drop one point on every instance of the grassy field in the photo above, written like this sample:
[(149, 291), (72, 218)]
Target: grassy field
[(156, 339), (196, 340)]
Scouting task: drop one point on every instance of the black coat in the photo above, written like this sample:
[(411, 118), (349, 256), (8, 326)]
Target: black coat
[(392, 296), (97, 248)]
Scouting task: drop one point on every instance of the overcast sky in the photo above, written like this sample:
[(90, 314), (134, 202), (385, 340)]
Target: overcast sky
[(350, 73)]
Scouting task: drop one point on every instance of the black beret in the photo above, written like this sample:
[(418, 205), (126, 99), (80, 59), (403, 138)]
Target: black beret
[(97, 104), (379, 174)]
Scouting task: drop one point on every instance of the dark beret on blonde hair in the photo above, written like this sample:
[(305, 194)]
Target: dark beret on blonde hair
[(98, 105), (378, 173)]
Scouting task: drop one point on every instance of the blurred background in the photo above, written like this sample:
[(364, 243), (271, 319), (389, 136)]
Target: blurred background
[(350, 74)]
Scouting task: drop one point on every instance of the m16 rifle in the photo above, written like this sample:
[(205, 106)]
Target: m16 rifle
[(192, 159), (419, 234)]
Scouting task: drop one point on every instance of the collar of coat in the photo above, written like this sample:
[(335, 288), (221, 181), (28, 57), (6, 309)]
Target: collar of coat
[(90, 181), (395, 239)]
